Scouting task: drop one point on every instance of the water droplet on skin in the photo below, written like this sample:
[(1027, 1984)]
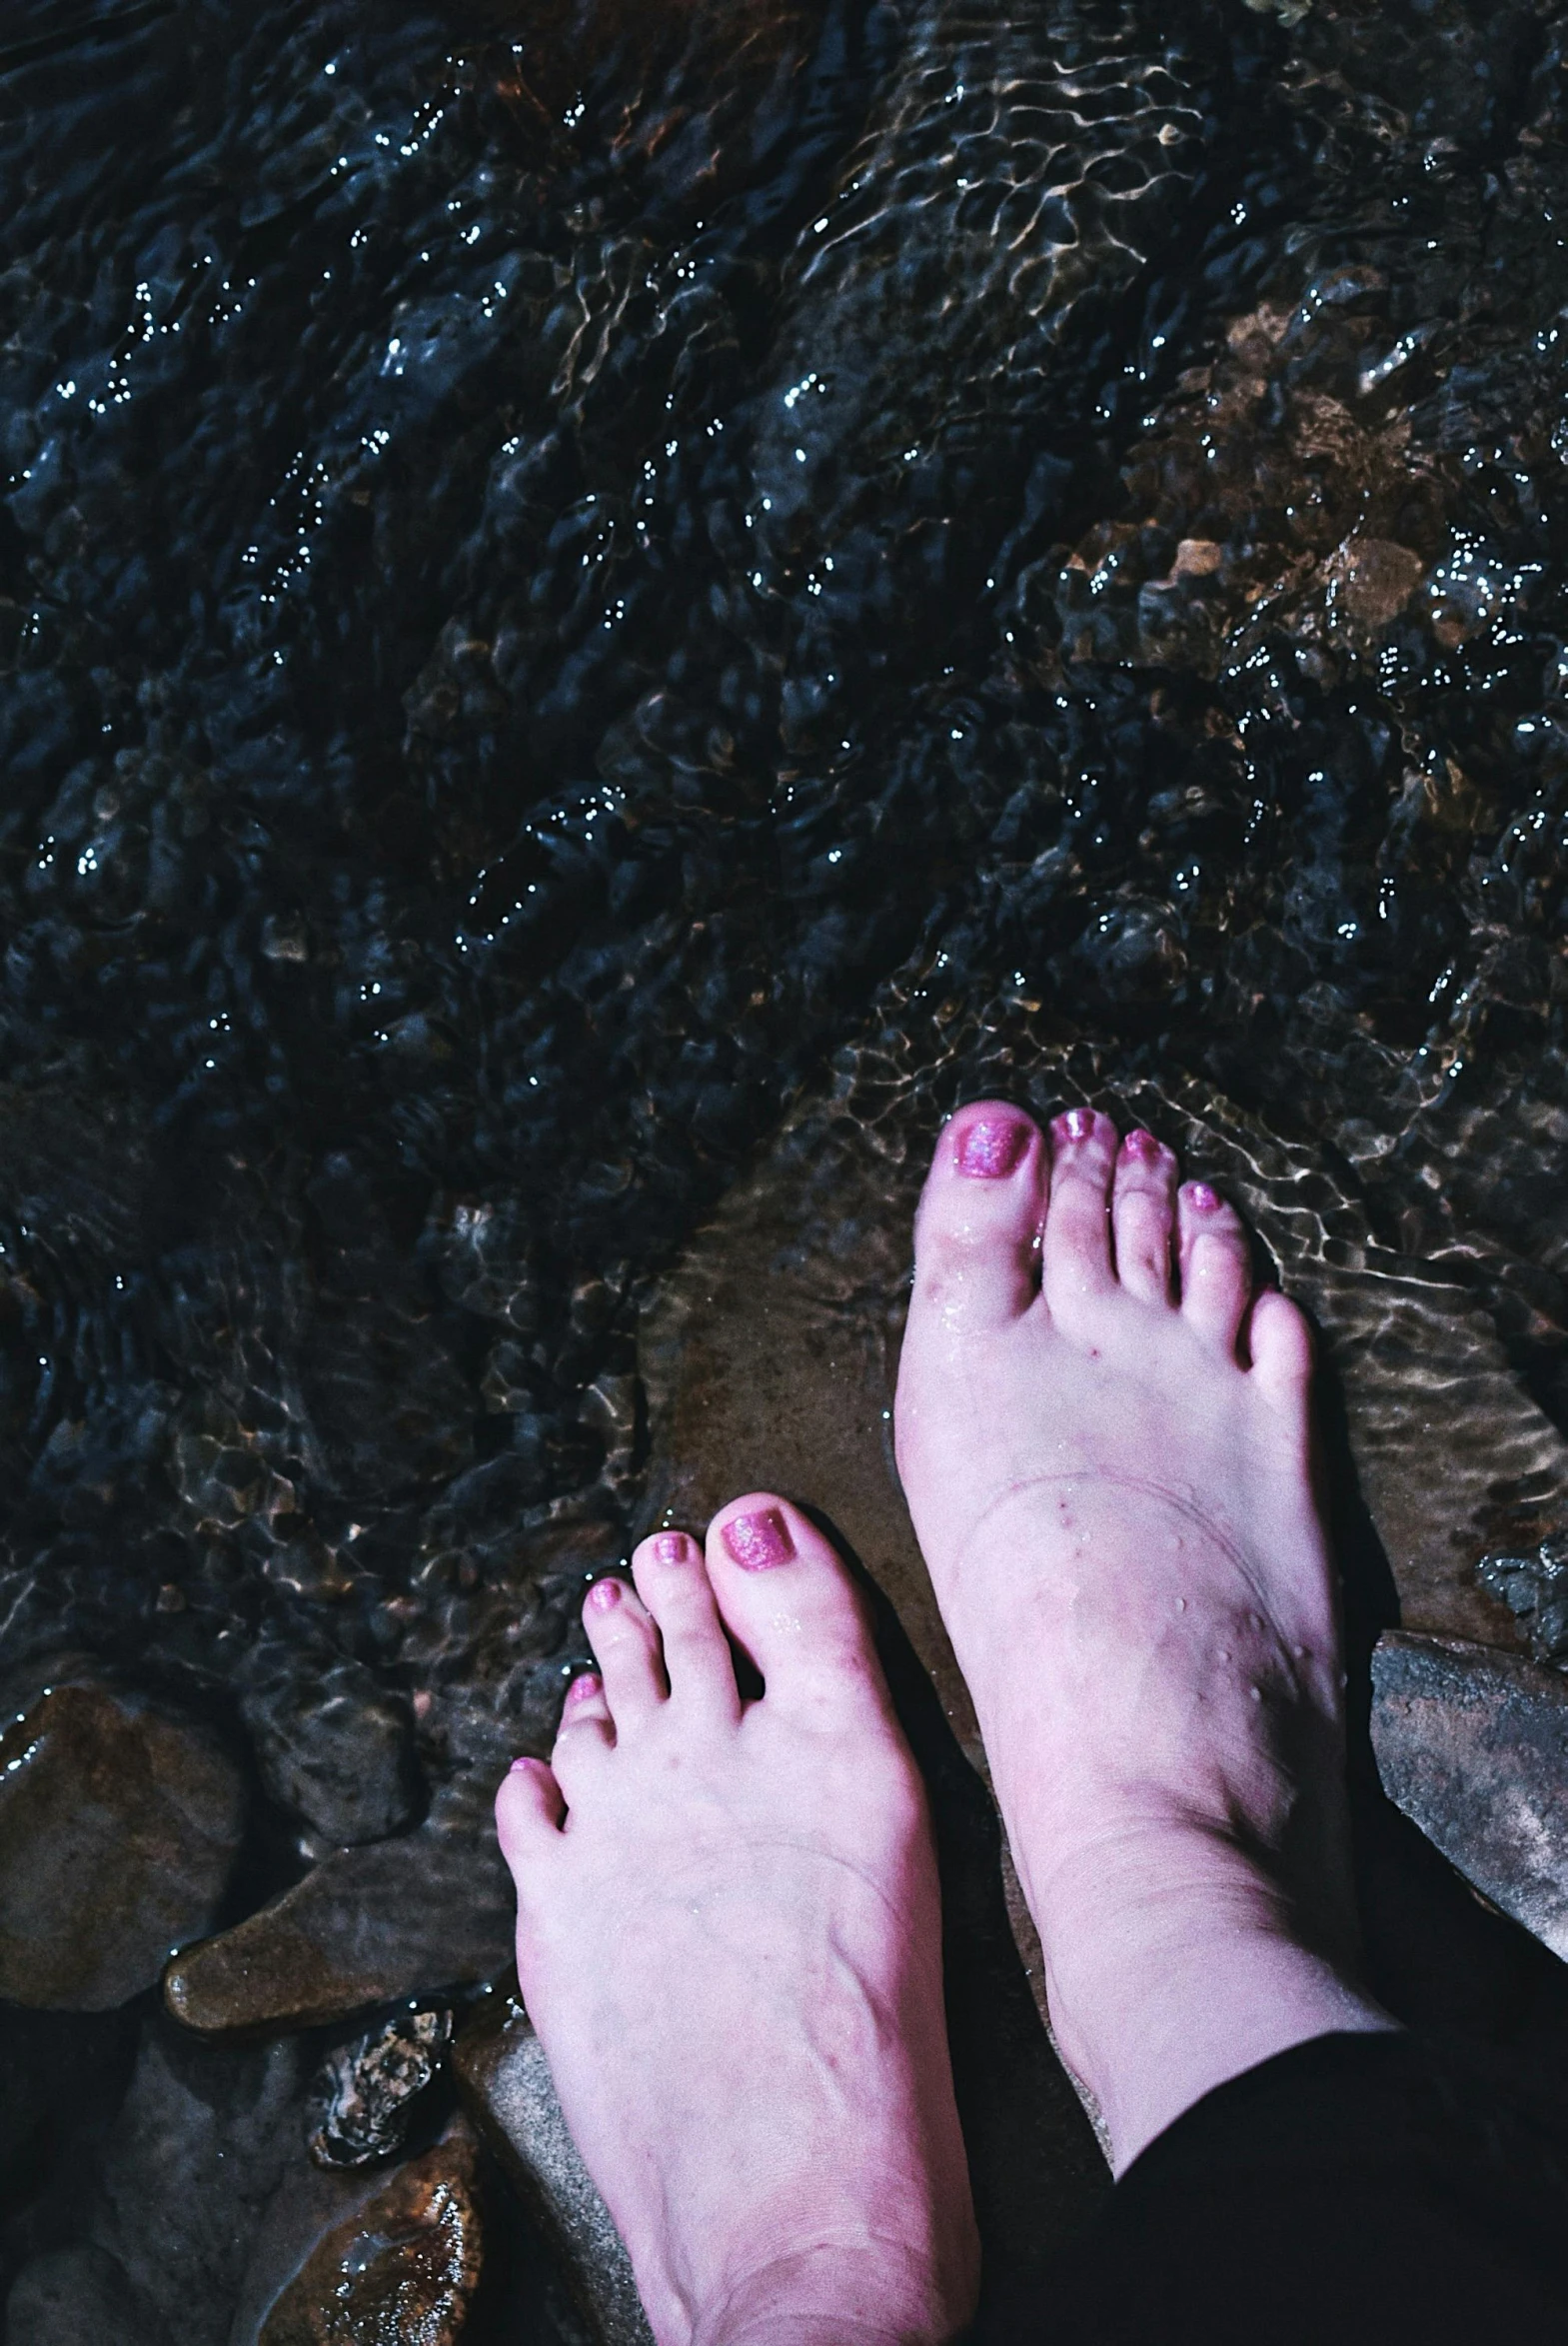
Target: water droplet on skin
[(1225, 1653), (1181, 1604), (1256, 1693)]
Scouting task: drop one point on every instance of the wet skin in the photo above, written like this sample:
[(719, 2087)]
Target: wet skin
[(727, 1929)]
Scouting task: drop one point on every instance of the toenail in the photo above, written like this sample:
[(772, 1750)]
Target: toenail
[(602, 1595), (669, 1548), (1142, 1145), (1203, 1199), (991, 1148), (1078, 1123), (760, 1540), (587, 1682)]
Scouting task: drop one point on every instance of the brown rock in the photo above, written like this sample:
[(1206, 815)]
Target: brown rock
[(366, 1926), (506, 2083), (401, 2270), (1473, 1745), (117, 1829)]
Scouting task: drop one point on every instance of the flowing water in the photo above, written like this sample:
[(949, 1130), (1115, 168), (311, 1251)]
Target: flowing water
[(566, 573)]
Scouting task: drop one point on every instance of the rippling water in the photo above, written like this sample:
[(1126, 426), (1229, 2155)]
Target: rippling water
[(556, 567)]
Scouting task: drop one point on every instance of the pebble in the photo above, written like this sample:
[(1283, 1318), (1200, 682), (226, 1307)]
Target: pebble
[(118, 1832), (365, 2090), (373, 1925), (399, 2271)]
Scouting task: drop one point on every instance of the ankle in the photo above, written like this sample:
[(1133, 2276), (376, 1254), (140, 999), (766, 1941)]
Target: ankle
[(875, 2294), (1174, 1962)]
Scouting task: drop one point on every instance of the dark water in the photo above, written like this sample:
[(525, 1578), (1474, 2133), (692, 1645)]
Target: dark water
[(556, 567)]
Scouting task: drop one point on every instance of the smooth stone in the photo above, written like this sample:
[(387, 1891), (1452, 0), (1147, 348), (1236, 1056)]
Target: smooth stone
[(118, 1832), (338, 1751), (366, 2090), (407, 1917), (1473, 1745), (401, 2270), (507, 2087), (205, 2136), (79, 2296)]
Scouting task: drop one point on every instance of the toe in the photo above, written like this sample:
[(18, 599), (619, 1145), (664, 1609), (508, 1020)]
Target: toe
[(1216, 1266), (529, 1810), (789, 1603), (976, 1260), (1143, 1214), (585, 1732), (1280, 1341), (625, 1647), (672, 1580), (1076, 1261)]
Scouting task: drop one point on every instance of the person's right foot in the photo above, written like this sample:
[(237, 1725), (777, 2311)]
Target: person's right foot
[(1105, 1441)]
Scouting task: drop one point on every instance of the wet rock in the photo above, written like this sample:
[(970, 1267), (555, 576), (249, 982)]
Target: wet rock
[(403, 2267), (337, 1749), (205, 2136), (506, 2082), (398, 1918), (365, 2090), (79, 2296), (118, 1830), (1535, 1590), (1473, 1746)]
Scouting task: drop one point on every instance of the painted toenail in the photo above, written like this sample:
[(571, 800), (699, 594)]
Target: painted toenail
[(1142, 1145), (669, 1548), (1078, 1123), (603, 1596), (760, 1540), (989, 1151), (1203, 1199), (581, 1687)]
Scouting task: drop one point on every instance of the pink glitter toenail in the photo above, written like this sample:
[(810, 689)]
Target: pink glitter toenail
[(988, 1152), (669, 1548), (1203, 1199), (1078, 1123), (602, 1595), (590, 1683), (759, 1541), (1142, 1145)]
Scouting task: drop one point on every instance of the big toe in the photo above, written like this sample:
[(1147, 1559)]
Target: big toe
[(977, 1235), (789, 1603)]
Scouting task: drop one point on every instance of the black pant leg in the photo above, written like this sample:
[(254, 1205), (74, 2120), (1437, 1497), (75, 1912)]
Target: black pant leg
[(1354, 2191)]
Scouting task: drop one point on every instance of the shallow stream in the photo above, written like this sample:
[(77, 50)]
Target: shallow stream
[(579, 589)]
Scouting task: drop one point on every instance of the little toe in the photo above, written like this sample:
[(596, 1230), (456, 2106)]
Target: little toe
[(1216, 1266), (672, 1580), (1143, 1214), (625, 1646), (790, 1605), (976, 1259), (1280, 1341), (529, 1810), (1075, 1264)]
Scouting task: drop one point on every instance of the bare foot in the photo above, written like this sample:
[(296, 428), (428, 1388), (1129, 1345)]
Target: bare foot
[(729, 1942), (1105, 1440)]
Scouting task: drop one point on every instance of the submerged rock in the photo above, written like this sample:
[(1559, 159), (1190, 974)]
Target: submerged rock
[(79, 2296), (366, 2090), (338, 1752), (399, 2271), (1473, 1746), (118, 1830), (205, 2136), (366, 1926), (506, 2082)]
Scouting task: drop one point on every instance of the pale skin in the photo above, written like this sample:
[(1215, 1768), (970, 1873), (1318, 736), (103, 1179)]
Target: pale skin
[(727, 1926)]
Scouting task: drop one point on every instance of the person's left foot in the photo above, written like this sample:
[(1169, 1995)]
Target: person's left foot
[(728, 1939)]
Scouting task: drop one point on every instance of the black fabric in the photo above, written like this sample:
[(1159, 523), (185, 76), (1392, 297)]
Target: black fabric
[(1357, 2189)]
